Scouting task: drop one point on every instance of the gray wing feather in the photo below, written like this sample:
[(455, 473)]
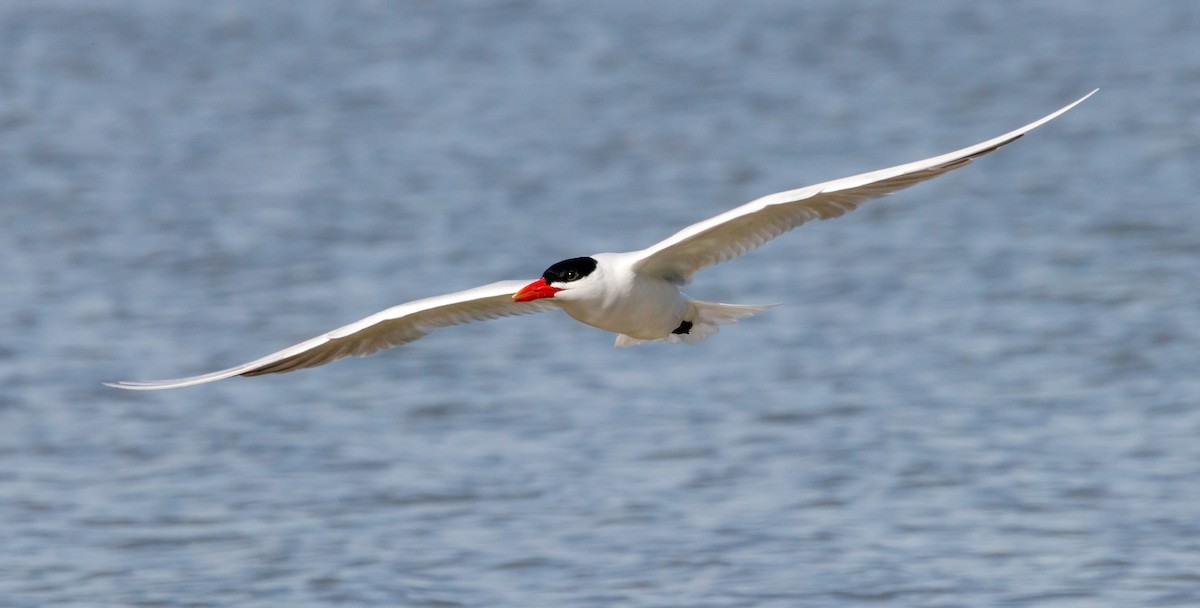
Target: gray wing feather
[(392, 327), (740, 230)]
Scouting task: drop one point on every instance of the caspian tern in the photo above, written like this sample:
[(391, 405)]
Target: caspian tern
[(634, 294)]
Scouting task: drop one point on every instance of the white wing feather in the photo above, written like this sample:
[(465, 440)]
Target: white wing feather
[(740, 230), (392, 327)]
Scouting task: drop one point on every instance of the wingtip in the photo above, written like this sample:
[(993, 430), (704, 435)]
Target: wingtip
[(1081, 99), (1065, 109), (127, 385), (133, 385)]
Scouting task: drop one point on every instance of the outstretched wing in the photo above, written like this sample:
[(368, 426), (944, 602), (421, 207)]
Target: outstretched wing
[(735, 232), (391, 327)]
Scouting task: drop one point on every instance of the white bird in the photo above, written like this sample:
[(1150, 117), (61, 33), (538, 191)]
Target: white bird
[(634, 294)]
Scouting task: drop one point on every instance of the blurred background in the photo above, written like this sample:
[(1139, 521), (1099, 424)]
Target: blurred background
[(982, 391)]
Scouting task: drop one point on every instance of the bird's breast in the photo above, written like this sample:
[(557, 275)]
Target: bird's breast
[(646, 309)]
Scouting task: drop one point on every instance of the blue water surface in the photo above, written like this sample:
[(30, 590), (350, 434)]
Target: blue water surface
[(979, 392)]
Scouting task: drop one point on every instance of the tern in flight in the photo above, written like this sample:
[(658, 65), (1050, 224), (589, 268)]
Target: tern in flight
[(634, 294)]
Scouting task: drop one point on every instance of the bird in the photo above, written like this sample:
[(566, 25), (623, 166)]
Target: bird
[(634, 294)]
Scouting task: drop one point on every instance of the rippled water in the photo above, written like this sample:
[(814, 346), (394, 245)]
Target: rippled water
[(980, 392)]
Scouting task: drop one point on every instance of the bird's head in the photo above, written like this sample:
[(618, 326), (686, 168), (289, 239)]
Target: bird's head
[(566, 276)]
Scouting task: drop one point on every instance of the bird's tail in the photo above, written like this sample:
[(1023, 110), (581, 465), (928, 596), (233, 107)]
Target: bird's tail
[(702, 320)]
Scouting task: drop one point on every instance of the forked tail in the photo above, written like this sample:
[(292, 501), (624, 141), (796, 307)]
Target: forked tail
[(701, 321)]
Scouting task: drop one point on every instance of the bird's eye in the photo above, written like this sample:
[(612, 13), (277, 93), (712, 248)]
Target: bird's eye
[(571, 275)]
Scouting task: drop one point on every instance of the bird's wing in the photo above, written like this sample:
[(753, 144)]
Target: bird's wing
[(391, 327), (735, 232)]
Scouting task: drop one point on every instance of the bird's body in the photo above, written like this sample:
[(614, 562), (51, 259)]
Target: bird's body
[(635, 294), (643, 307), (624, 302)]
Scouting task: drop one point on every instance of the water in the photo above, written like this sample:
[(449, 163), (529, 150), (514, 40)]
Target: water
[(980, 392)]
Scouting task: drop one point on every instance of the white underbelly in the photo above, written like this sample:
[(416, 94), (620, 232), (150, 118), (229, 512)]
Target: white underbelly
[(647, 310)]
